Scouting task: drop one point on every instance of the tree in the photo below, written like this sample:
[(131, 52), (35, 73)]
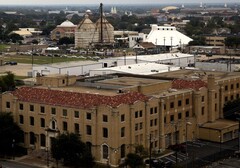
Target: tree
[(72, 151), (66, 40), (134, 160), (16, 38), (7, 82), (10, 133)]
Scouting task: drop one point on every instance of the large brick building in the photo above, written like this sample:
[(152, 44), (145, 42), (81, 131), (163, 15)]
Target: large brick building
[(113, 114)]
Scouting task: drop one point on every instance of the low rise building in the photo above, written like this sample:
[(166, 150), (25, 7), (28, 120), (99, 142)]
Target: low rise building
[(115, 113)]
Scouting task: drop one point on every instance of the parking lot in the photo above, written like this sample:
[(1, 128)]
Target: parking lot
[(200, 153)]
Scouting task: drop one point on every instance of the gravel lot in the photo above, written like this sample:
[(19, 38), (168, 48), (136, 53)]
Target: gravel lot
[(18, 70)]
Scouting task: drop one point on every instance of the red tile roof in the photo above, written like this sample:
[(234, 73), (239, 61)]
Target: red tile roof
[(195, 84), (74, 99)]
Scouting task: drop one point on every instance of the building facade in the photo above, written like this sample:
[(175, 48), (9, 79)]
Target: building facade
[(65, 29), (114, 122)]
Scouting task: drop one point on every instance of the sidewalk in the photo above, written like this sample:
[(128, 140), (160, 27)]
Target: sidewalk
[(30, 160)]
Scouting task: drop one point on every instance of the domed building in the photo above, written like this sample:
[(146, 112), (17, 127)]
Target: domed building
[(65, 29), (97, 35), (85, 33), (89, 34), (106, 35)]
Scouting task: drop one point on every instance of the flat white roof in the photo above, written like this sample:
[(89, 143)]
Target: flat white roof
[(141, 68), (69, 64), (152, 58)]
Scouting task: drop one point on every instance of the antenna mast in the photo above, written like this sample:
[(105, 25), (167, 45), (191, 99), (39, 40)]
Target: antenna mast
[(101, 17)]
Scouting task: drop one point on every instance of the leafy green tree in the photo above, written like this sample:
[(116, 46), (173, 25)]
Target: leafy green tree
[(232, 41), (199, 40), (72, 151), (66, 40), (15, 37), (134, 160), (10, 133), (7, 82)]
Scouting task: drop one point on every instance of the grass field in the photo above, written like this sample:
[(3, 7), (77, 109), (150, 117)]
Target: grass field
[(28, 59)]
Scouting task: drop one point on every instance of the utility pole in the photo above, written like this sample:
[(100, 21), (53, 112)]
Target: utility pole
[(150, 151), (187, 123)]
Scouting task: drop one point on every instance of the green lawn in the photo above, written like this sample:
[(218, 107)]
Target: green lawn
[(27, 59), (2, 47)]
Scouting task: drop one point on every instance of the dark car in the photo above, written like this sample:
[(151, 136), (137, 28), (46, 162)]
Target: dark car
[(12, 63)]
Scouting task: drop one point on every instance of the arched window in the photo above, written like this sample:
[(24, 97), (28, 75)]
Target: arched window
[(32, 138), (42, 140), (53, 124), (123, 152), (105, 151)]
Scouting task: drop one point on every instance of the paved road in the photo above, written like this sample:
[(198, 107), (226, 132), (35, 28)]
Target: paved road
[(13, 164)]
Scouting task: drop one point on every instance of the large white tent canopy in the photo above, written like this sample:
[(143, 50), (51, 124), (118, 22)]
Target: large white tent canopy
[(167, 36)]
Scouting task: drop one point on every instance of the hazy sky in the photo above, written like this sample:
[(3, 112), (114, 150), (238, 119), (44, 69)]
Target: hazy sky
[(48, 2)]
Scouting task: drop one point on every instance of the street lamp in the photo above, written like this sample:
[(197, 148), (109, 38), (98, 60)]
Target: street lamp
[(187, 123), (220, 143), (238, 134), (13, 146)]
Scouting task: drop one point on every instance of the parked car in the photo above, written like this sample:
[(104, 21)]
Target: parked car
[(10, 63)]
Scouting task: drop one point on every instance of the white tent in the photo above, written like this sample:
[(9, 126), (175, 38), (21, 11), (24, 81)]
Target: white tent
[(167, 36)]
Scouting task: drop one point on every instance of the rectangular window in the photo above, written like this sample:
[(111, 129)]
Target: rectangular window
[(155, 110), (215, 106), (179, 115), (31, 107), (151, 123), (172, 118), (172, 105), (42, 122), (232, 86), (202, 98), (151, 110), (123, 132), (64, 112), (7, 104), (136, 127), (105, 118), (226, 98), (237, 85), (215, 95), (226, 88), (20, 106), (89, 130), (165, 107), (187, 101), (105, 132), (42, 109), (122, 117), (155, 122), (165, 120), (187, 114), (21, 119), (89, 116), (31, 121), (203, 109), (140, 113), (231, 97), (136, 114), (76, 114), (179, 103), (141, 126), (53, 111), (76, 128), (65, 126)]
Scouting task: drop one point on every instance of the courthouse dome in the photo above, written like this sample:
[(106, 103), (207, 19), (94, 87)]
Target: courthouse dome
[(66, 23)]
